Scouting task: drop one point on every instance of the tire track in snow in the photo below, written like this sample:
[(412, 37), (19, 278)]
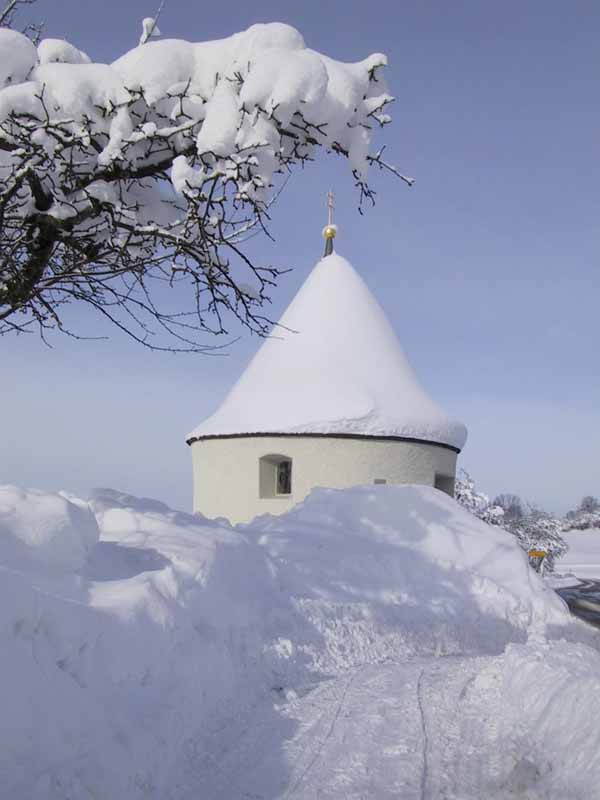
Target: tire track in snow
[(425, 770), (321, 744)]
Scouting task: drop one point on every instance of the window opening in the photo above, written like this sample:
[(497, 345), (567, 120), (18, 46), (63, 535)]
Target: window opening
[(380, 480), (274, 475), (284, 477)]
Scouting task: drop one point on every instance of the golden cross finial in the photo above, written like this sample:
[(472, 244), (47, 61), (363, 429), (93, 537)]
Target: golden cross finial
[(329, 231), (330, 208)]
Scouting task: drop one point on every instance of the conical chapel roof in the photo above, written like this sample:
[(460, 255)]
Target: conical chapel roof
[(334, 366)]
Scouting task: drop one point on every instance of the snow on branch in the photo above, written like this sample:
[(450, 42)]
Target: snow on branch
[(119, 181)]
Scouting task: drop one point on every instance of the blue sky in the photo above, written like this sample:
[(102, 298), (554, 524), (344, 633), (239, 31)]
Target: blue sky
[(487, 268)]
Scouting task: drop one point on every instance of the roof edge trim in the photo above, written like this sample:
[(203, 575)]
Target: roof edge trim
[(411, 439)]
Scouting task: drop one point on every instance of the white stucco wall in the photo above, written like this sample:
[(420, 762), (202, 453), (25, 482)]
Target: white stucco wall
[(226, 471)]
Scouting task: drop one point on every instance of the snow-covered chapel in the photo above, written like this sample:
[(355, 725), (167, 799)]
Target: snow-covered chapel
[(330, 400)]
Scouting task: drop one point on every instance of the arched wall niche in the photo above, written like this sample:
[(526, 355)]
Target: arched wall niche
[(274, 475)]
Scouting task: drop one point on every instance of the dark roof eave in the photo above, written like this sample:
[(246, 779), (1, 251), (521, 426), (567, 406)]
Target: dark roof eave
[(411, 439)]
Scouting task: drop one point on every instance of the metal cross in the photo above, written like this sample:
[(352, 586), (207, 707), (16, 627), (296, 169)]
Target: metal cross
[(330, 208)]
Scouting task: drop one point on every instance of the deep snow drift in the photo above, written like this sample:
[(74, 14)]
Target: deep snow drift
[(374, 642)]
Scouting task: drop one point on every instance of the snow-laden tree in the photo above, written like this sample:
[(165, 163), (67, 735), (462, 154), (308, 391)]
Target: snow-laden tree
[(541, 531), (533, 529), (476, 502), (512, 505), (119, 180), (589, 504), (585, 516), (582, 520)]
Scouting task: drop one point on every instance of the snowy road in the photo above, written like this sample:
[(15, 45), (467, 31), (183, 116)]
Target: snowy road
[(583, 600), (368, 734), (420, 730)]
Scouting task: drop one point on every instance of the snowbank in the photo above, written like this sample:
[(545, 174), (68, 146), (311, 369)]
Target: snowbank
[(157, 643), (382, 571), (188, 659), (45, 529)]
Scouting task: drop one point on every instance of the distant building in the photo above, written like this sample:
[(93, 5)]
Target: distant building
[(330, 400)]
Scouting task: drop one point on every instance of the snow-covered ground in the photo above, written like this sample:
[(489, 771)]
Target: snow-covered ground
[(376, 642), (583, 557)]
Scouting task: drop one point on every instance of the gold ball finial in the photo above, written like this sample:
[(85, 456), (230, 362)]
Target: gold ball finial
[(330, 230)]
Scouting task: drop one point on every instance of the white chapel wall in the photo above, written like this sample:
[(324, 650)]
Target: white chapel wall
[(226, 471)]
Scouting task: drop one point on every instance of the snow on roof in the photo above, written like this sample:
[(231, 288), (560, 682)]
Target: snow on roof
[(334, 366)]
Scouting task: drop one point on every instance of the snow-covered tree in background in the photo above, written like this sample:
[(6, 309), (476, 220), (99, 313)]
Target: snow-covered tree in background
[(582, 522), (476, 502), (589, 504), (586, 516), (534, 529), (512, 505), (541, 531), (120, 180)]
